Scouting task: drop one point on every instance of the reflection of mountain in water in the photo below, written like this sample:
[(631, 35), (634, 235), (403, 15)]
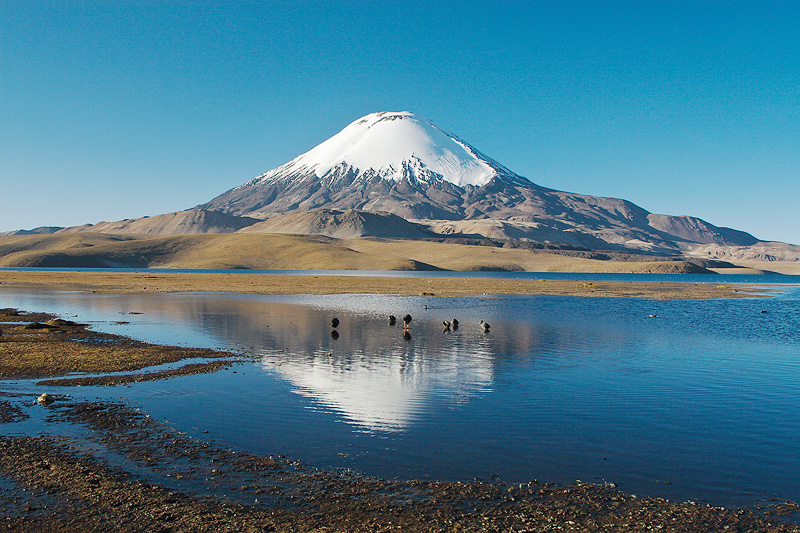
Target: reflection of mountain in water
[(370, 374), (383, 391)]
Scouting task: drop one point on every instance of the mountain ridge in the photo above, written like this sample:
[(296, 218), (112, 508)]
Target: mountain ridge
[(342, 173), (188, 222)]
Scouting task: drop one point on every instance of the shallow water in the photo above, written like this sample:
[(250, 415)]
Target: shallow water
[(697, 403)]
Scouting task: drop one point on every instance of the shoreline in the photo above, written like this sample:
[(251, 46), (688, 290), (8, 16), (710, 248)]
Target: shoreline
[(186, 484), (132, 472), (287, 284)]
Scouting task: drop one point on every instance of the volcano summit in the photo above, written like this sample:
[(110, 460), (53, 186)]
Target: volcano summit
[(395, 162)]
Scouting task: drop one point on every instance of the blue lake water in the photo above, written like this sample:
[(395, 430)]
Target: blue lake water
[(701, 402)]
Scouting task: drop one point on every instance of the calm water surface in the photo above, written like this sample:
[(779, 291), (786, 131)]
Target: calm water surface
[(701, 402)]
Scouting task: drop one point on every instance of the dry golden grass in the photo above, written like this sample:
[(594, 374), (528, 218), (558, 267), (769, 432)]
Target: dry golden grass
[(146, 282), (272, 251)]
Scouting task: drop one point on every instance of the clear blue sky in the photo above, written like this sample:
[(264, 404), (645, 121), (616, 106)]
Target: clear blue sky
[(119, 109)]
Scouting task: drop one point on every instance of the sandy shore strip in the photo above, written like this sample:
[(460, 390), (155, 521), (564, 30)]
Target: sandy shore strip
[(162, 282)]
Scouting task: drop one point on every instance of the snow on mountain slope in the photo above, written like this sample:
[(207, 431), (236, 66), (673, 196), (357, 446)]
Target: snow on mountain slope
[(395, 145), (385, 161)]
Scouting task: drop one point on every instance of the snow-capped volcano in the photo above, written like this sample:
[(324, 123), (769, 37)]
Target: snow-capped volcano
[(395, 175), (396, 146), (387, 161), (400, 163)]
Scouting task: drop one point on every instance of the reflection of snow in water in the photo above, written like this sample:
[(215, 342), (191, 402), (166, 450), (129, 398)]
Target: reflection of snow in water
[(385, 393)]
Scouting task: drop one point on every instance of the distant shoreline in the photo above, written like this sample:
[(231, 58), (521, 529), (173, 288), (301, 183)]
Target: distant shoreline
[(286, 284)]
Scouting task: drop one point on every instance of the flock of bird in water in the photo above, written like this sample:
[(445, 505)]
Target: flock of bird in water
[(448, 325)]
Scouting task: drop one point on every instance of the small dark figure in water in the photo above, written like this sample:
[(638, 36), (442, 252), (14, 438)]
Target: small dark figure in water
[(652, 316), (406, 335), (763, 311), (406, 321), (334, 334), (446, 324), (392, 320), (335, 323), (454, 322), (485, 326)]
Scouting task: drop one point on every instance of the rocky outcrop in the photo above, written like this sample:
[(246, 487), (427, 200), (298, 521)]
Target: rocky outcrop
[(341, 224)]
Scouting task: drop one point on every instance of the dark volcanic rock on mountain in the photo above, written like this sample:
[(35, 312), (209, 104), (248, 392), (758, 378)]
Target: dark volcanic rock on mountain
[(341, 224)]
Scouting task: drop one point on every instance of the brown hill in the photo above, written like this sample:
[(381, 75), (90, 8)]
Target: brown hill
[(699, 231), (41, 230), (189, 222)]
